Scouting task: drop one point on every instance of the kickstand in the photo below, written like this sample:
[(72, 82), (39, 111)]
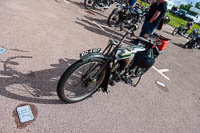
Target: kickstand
[(134, 85)]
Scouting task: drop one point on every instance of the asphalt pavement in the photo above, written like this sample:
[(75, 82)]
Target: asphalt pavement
[(44, 37)]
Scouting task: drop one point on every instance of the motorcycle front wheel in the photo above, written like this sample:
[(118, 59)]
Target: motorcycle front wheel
[(80, 80), (114, 18), (189, 44), (175, 31)]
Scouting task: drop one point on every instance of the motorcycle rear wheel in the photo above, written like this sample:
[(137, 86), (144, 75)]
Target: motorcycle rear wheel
[(89, 4)]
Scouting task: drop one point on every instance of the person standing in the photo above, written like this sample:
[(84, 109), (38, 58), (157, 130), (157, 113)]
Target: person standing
[(153, 17)]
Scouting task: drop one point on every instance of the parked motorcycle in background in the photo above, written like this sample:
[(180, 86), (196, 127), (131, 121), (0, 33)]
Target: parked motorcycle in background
[(194, 43), (91, 4), (181, 30), (125, 16), (166, 20), (194, 33)]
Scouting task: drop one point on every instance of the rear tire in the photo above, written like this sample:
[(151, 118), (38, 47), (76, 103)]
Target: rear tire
[(89, 4), (81, 81)]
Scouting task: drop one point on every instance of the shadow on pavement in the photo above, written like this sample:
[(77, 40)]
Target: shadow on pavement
[(167, 32), (94, 12), (35, 86), (94, 25), (178, 44)]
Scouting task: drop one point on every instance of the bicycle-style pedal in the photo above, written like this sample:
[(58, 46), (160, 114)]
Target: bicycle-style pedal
[(127, 80)]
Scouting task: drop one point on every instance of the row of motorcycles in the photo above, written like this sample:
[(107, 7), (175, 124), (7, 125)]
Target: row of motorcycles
[(122, 16), (194, 36), (91, 4)]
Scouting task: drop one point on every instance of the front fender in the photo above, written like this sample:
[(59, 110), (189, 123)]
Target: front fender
[(104, 84), (93, 55)]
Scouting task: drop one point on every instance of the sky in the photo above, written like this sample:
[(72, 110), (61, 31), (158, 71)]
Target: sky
[(178, 2)]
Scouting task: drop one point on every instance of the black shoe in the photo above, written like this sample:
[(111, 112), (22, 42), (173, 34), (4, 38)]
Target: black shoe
[(112, 82)]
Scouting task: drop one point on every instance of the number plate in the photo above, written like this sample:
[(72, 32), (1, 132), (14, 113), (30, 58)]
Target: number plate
[(25, 114), (95, 50)]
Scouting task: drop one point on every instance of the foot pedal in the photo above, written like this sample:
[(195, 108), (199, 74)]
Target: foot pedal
[(127, 80)]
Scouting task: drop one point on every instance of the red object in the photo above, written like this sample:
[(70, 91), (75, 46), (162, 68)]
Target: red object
[(165, 42)]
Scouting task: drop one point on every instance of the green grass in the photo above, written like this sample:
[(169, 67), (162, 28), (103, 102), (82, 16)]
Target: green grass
[(176, 21), (143, 3)]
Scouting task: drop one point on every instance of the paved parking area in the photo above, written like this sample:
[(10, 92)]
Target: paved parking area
[(42, 38)]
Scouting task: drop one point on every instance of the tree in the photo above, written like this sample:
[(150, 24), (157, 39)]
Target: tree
[(197, 5), (186, 7)]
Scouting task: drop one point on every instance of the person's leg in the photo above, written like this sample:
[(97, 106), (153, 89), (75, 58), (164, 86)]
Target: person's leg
[(150, 28), (132, 2), (142, 32), (144, 29), (147, 28)]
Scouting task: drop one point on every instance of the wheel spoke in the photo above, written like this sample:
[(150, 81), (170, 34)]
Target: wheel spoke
[(83, 81)]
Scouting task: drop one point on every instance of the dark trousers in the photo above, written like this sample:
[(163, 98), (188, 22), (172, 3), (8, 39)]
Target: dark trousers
[(147, 28)]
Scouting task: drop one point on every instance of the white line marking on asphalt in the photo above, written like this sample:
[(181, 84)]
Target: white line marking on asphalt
[(66, 1), (164, 70), (161, 71)]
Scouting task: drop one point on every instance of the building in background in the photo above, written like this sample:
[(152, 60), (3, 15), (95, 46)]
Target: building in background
[(170, 4), (193, 15)]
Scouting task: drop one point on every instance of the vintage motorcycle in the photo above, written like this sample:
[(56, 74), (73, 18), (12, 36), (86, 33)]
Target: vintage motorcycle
[(95, 70), (91, 4), (125, 16), (194, 43)]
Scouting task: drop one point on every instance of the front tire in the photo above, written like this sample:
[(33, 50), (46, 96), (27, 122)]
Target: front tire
[(76, 85), (189, 44), (114, 18), (175, 31)]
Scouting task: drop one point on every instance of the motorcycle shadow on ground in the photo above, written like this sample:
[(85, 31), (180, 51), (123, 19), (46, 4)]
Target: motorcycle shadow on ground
[(170, 33), (34, 86), (167, 32), (178, 44), (94, 12), (94, 25)]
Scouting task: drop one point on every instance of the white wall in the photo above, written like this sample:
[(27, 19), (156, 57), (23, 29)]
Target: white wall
[(170, 4)]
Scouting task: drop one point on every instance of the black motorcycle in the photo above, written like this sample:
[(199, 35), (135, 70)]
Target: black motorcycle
[(96, 69), (179, 31), (194, 33), (194, 43), (91, 4), (124, 16)]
